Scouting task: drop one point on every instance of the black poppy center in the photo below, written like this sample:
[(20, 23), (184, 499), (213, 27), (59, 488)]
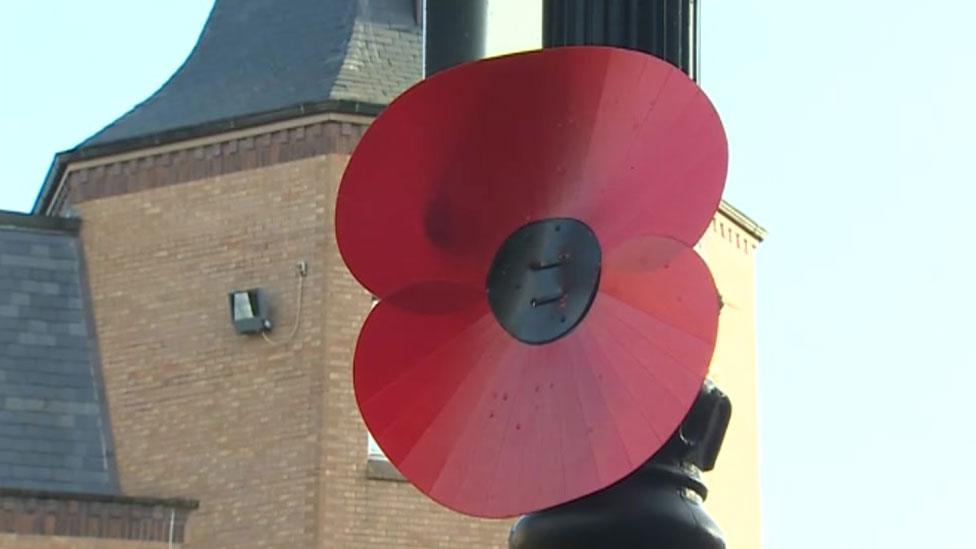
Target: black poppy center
[(544, 278)]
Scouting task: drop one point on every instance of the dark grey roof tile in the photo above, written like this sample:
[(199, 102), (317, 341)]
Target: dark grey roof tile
[(28, 338), (257, 58), (40, 250), (37, 287), (74, 408), (44, 392), (23, 404), (62, 446), (15, 404), (74, 434), (69, 328), (11, 430), (27, 472), (29, 261), (40, 301), (42, 363), (10, 458), (51, 424), (52, 380), (42, 419), (79, 476), (38, 326)]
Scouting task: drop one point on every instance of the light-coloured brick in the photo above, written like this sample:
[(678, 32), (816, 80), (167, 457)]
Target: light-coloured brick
[(267, 437)]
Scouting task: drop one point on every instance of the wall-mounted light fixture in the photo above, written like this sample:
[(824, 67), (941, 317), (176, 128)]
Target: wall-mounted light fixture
[(249, 311)]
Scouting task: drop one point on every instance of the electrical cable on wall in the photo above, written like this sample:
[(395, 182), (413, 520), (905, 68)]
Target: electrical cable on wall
[(172, 527), (302, 270)]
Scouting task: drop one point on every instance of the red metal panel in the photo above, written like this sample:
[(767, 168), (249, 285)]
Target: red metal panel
[(479, 421)]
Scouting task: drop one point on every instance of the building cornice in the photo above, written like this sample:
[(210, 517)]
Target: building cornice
[(744, 222), (17, 220), (208, 151), (54, 180), (204, 156), (105, 516)]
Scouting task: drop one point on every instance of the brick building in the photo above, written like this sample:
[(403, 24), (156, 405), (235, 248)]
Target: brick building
[(132, 410)]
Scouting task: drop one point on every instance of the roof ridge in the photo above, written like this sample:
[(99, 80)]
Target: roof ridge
[(155, 95)]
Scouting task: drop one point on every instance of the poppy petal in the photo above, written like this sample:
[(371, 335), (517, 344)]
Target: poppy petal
[(461, 160), (479, 421), (493, 427), (665, 279), (666, 177)]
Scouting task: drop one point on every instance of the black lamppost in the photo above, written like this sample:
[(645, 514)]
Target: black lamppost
[(659, 505), (666, 29), (454, 32)]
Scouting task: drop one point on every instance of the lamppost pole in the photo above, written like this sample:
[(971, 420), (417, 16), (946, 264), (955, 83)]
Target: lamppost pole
[(659, 505), (666, 29), (454, 32)]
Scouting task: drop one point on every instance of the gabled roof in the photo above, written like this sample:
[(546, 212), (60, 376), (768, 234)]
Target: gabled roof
[(54, 433), (258, 61), (262, 56)]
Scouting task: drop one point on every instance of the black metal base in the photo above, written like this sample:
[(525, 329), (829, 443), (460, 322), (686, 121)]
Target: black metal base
[(657, 507)]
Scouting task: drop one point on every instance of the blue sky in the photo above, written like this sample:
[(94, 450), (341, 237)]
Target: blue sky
[(851, 129), (69, 68), (851, 126)]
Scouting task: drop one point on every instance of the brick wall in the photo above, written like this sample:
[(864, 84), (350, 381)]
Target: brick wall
[(267, 437), (198, 410), (31, 512)]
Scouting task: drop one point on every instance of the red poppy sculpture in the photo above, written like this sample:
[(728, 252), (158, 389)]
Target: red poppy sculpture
[(527, 224)]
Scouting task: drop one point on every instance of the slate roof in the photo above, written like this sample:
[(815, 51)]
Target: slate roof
[(255, 61), (262, 56), (258, 61), (53, 429)]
